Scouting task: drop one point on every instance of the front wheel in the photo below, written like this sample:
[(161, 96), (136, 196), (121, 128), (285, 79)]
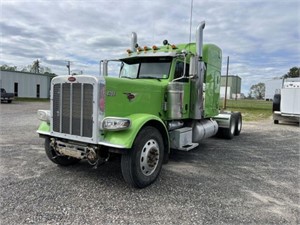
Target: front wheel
[(142, 165)]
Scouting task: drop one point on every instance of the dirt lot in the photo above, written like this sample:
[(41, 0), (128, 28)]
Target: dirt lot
[(252, 179)]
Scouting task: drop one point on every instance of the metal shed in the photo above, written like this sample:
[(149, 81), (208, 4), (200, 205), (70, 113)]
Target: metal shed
[(233, 87), (26, 85)]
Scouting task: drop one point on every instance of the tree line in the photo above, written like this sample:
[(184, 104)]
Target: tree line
[(35, 67)]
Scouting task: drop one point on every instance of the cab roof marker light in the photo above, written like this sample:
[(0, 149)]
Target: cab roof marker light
[(139, 49), (154, 47), (146, 48)]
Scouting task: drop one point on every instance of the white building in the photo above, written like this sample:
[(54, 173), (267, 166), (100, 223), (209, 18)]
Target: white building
[(26, 85)]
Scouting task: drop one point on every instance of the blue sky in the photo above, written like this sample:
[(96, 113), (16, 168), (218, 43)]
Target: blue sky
[(262, 38)]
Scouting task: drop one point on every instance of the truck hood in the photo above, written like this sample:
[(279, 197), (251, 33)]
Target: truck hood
[(124, 97)]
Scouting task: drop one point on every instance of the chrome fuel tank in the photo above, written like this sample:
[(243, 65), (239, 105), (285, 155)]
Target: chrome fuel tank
[(175, 100), (204, 129)]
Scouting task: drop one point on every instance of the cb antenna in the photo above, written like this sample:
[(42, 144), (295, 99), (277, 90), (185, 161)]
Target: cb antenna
[(191, 19)]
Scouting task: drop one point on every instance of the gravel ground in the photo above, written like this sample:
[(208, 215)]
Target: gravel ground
[(252, 179)]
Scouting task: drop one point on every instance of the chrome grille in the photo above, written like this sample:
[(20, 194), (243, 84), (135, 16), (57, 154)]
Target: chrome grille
[(73, 109)]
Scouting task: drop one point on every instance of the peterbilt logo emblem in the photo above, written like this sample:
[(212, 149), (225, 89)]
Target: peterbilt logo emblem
[(130, 96), (71, 79)]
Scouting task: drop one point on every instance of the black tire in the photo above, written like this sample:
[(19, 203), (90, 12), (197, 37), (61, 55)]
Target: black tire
[(276, 122), (238, 123), (228, 133), (142, 165), (276, 102), (8, 101), (60, 160)]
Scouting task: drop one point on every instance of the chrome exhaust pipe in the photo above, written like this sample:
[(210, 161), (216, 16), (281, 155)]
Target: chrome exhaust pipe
[(197, 81), (133, 41), (199, 38)]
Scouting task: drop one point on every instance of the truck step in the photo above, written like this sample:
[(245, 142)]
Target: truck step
[(181, 139), (188, 147)]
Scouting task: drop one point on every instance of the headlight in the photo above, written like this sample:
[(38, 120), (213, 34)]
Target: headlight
[(115, 123), (44, 115)]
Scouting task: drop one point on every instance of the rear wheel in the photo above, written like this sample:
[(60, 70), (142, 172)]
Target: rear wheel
[(54, 157), (276, 102), (238, 123), (276, 121), (142, 165), (229, 132)]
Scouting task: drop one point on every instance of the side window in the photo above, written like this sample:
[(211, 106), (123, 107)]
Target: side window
[(187, 70), (179, 71)]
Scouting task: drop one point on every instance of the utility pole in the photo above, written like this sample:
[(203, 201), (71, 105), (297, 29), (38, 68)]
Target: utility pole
[(236, 87), (225, 99), (68, 66)]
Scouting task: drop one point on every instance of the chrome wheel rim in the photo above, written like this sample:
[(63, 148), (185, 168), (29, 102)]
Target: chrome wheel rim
[(149, 157)]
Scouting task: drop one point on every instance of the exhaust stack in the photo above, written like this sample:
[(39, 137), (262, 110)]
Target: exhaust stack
[(197, 81), (133, 41), (199, 38)]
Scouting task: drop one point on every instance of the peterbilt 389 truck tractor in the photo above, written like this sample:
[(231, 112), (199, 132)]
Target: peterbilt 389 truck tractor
[(165, 97)]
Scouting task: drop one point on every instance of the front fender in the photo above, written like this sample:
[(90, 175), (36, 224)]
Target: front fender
[(44, 128), (126, 138)]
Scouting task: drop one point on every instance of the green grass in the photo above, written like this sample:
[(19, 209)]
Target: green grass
[(31, 99), (251, 109)]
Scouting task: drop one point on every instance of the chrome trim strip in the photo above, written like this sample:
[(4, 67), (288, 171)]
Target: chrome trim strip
[(71, 107), (81, 110), (60, 107), (43, 132), (110, 145)]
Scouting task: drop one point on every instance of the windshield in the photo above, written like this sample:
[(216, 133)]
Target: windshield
[(146, 68)]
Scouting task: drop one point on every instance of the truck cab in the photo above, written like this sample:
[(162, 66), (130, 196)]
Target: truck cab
[(165, 97)]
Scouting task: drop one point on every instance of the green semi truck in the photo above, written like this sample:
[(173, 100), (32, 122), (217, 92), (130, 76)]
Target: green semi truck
[(165, 97)]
